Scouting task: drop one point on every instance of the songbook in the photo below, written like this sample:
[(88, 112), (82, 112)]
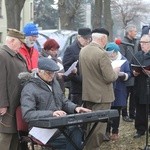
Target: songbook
[(71, 68), (139, 68), (42, 134), (117, 63)]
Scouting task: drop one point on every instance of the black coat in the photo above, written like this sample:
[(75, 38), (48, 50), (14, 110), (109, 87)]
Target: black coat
[(70, 56), (141, 80)]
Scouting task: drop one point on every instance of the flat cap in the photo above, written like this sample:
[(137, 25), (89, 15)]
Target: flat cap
[(16, 34), (85, 32), (47, 64), (101, 30)]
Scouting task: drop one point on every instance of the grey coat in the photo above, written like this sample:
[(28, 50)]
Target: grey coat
[(11, 64), (39, 101)]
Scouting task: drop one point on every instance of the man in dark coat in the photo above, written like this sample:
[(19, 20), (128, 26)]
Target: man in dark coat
[(130, 33), (11, 64), (70, 56), (143, 58)]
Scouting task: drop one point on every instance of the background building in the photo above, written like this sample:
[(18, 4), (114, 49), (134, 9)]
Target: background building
[(26, 16)]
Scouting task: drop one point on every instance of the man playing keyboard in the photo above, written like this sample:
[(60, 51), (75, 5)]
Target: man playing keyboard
[(43, 98)]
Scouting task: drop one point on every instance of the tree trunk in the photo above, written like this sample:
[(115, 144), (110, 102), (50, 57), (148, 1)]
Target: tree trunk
[(13, 11), (64, 16), (108, 22), (97, 14)]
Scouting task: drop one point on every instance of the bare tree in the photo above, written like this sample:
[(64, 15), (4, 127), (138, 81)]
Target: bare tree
[(67, 11), (13, 11), (127, 11), (108, 22)]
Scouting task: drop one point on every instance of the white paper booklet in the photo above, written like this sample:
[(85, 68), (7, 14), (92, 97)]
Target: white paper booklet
[(117, 63), (42, 134), (71, 68)]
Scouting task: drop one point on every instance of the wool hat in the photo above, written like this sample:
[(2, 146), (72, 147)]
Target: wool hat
[(47, 64), (112, 46), (145, 30), (85, 32), (101, 30), (16, 34), (51, 44), (30, 29)]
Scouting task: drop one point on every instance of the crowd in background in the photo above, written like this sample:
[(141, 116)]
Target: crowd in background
[(95, 84)]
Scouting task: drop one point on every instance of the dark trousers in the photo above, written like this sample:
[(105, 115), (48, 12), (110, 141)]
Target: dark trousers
[(140, 119), (113, 124), (77, 99), (131, 94)]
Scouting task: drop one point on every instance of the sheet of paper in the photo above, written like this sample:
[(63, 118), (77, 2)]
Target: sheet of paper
[(117, 63), (72, 67), (42, 134)]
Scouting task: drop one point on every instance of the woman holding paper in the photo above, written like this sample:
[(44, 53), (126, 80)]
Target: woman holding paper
[(119, 86)]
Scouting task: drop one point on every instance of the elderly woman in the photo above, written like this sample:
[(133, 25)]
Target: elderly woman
[(119, 87)]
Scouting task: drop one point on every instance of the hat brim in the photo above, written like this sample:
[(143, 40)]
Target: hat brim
[(87, 36), (22, 40)]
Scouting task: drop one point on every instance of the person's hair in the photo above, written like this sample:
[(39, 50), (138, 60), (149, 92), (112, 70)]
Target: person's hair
[(129, 28), (97, 35), (51, 43)]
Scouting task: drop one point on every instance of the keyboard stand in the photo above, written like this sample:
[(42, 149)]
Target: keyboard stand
[(63, 131)]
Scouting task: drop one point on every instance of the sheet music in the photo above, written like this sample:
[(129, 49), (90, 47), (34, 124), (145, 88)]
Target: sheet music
[(42, 134), (117, 63), (71, 68)]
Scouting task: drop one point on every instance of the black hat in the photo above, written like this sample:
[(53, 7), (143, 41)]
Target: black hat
[(85, 32), (101, 30), (47, 64)]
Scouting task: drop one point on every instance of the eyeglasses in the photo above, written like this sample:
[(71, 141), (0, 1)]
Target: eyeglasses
[(49, 73)]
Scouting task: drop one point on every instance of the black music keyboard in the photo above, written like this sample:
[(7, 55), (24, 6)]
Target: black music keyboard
[(73, 119)]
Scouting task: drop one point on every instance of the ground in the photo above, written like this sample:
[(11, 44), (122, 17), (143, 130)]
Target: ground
[(126, 140)]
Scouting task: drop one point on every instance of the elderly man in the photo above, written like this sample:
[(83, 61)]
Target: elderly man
[(43, 98), (70, 56), (143, 58), (27, 50), (97, 78), (130, 33), (11, 64)]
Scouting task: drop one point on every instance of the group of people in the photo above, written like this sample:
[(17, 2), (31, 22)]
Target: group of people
[(95, 84)]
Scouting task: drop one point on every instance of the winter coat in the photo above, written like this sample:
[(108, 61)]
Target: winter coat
[(97, 74), (11, 64), (120, 89), (70, 56), (31, 56), (38, 101), (141, 80)]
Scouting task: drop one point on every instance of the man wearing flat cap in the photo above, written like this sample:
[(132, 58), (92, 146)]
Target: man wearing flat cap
[(42, 98), (97, 81), (70, 56), (11, 64)]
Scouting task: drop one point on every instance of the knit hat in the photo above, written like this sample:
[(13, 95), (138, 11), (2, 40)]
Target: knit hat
[(16, 34), (112, 46), (30, 29), (101, 30), (85, 32), (47, 64)]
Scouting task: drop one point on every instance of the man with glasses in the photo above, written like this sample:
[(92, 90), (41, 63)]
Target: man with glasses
[(143, 58), (42, 98), (27, 50)]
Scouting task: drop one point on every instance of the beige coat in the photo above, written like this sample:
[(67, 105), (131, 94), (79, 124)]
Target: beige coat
[(97, 74)]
